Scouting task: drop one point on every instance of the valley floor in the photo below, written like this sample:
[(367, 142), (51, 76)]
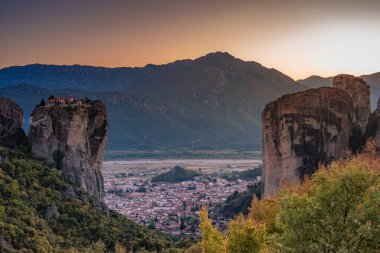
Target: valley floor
[(172, 208)]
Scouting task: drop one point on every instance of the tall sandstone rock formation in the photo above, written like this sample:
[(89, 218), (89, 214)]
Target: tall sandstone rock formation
[(73, 137), (306, 129), (11, 117), (359, 91), (373, 127), (300, 131)]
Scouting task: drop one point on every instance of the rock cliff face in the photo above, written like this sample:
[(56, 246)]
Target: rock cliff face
[(373, 127), (11, 117), (73, 137), (358, 89), (302, 130)]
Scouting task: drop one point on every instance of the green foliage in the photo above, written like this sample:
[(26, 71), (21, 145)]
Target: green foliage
[(238, 202), (196, 248), (336, 210), (175, 175), (28, 188), (212, 239), (245, 236), (338, 213), (151, 224), (97, 247), (69, 108), (119, 249), (245, 175)]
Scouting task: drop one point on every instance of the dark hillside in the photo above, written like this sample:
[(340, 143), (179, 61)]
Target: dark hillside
[(41, 211), (211, 103)]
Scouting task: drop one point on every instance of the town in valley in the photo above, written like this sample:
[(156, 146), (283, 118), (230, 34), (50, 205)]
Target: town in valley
[(172, 207)]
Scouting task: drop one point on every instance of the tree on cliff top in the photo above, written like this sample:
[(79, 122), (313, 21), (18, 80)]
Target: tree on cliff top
[(42, 102)]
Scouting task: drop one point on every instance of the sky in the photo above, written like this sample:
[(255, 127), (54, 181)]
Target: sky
[(297, 37)]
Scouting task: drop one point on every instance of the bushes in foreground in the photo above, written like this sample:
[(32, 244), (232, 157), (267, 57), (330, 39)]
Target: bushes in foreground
[(336, 210)]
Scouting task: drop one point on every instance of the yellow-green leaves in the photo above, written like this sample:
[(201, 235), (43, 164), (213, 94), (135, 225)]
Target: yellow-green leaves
[(245, 236), (212, 239), (336, 210)]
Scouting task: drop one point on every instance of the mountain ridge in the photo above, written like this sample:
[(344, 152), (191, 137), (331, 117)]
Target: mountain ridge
[(212, 102), (8, 74), (373, 80)]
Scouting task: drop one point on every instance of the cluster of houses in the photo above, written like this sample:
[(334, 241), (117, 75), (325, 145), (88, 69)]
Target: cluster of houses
[(54, 101), (173, 208)]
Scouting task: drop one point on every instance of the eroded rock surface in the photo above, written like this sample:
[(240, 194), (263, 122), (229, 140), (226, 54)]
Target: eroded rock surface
[(73, 137), (358, 89), (303, 130), (11, 117)]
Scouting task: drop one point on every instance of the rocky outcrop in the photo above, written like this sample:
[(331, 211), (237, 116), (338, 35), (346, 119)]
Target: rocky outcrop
[(73, 137), (359, 91), (11, 117), (373, 127), (303, 130)]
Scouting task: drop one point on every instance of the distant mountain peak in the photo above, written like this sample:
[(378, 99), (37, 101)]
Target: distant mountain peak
[(220, 59), (219, 54), (312, 78), (315, 76)]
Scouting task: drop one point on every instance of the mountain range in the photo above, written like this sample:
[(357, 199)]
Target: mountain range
[(210, 103), (213, 102), (372, 80)]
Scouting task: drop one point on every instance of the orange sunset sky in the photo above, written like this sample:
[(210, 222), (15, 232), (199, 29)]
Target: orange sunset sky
[(297, 37)]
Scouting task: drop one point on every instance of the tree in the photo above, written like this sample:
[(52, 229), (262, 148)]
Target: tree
[(339, 212), (98, 247), (196, 248), (151, 224), (245, 236), (212, 239), (42, 103), (264, 212), (182, 226), (119, 248)]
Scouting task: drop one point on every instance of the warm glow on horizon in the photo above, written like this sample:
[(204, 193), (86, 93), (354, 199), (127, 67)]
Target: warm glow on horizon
[(298, 38)]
